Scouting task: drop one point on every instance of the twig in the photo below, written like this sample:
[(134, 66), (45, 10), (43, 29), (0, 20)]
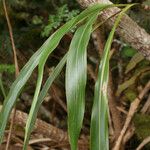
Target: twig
[(16, 66), (91, 72), (122, 110), (146, 105), (133, 108), (129, 133), (99, 40), (144, 142), (40, 140), (11, 38), (111, 129)]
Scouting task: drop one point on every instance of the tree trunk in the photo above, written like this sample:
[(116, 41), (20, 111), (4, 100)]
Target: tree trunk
[(128, 30)]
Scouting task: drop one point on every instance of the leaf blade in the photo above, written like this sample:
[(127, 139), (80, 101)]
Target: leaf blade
[(99, 119), (76, 80), (27, 70), (36, 104)]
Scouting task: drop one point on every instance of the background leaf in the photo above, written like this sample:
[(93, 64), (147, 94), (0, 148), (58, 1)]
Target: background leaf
[(138, 57)]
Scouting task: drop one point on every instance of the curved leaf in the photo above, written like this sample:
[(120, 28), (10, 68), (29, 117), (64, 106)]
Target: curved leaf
[(27, 70), (76, 74), (30, 122), (99, 120), (36, 104), (41, 54), (44, 56)]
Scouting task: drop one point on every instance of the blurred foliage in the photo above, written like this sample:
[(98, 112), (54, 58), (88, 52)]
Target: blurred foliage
[(128, 52), (7, 68), (142, 17), (142, 130), (130, 94), (5, 41), (30, 20), (133, 80), (142, 122), (34, 18), (62, 15), (137, 58)]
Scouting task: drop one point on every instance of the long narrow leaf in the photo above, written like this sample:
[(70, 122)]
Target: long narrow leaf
[(76, 74), (99, 119), (42, 62), (27, 70), (36, 104)]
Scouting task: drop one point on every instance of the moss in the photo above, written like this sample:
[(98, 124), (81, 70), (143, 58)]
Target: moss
[(142, 125), (130, 94)]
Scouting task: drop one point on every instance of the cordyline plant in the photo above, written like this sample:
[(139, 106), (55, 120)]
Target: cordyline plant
[(76, 74)]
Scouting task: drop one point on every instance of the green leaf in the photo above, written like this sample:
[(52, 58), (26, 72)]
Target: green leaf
[(27, 70), (36, 104), (99, 120), (131, 81), (141, 122), (138, 57), (76, 74), (42, 62), (7, 68), (128, 51), (44, 57), (41, 54), (2, 87)]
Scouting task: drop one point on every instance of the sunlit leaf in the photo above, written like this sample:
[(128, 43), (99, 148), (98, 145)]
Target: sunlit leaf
[(42, 62), (27, 70), (76, 73), (39, 59)]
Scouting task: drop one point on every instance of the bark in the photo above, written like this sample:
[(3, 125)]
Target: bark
[(128, 30), (48, 130)]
